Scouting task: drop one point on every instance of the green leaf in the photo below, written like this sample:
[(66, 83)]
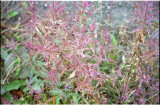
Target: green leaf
[(127, 101), (56, 92), (111, 56), (12, 14), (57, 99), (14, 85), (114, 40), (24, 4), (94, 82), (23, 101), (18, 72), (9, 63), (85, 101), (84, 15), (123, 66), (18, 61), (15, 34), (4, 54), (17, 26), (36, 85), (75, 99), (68, 96), (25, 61), (25, 71), (40, 73), (34, 57), (3, 37), (104, 68), (33, 79)]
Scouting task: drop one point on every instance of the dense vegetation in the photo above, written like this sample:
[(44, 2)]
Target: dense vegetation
[(61, 57)]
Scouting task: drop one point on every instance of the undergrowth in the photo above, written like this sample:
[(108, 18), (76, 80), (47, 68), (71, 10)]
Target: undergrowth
[(62, 57)]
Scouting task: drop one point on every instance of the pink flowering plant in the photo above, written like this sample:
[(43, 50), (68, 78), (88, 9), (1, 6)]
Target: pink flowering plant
[(65, 57), (68, 49)]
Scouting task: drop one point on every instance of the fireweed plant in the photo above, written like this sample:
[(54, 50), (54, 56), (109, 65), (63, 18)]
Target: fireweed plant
[(67, 48), (70, 56), (145, 52)]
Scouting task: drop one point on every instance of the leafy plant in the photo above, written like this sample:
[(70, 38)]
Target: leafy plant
[(12, 14), (61, 57)]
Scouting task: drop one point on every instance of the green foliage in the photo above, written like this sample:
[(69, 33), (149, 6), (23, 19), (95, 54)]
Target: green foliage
[(4, 54), (22, 101), (34, 57), (25, 71), (75, 98), (56, 92), (37, 84), (114, 40), (3, 37), (12, 14), (31, 69), (9, 63), (14, 85), (111, 56), (57, 99), (17, 36), (8, 97), (18, 72), (32, 80), (24, 4)]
